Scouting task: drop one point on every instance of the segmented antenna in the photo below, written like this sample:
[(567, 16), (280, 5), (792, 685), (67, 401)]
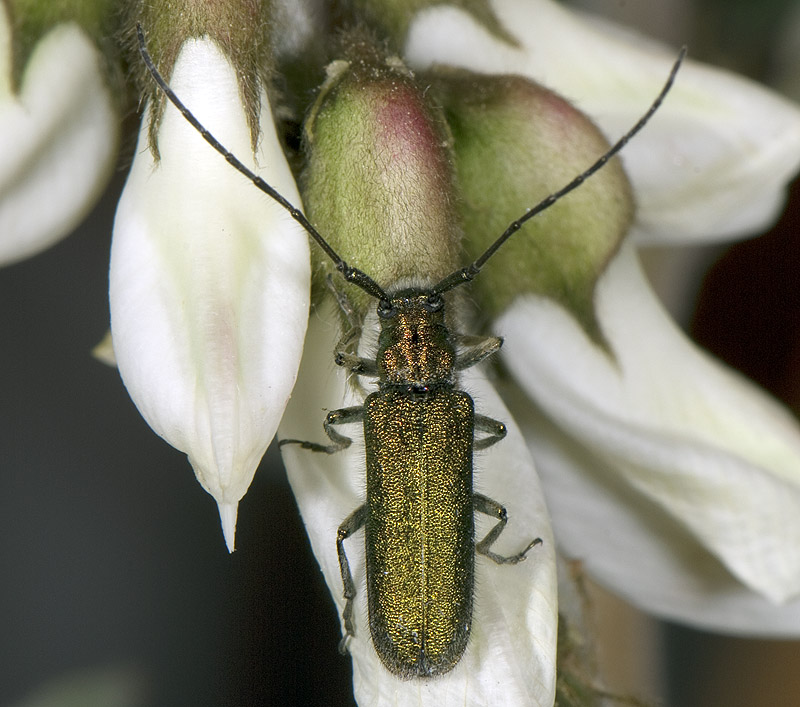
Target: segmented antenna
[(354, 275), (470, 271)]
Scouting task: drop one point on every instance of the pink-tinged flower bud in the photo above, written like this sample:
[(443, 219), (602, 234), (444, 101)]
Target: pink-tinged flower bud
[(515, 143), (379, 182)]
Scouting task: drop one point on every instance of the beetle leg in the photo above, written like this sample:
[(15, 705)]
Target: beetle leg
[(345, 353), (486, 505), (354, 522), (477, 349), (494, 429), (344, 303), (342, 416)]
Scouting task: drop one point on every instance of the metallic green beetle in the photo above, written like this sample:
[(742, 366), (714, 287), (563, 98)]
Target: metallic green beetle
[(420, 438), (418, 517)]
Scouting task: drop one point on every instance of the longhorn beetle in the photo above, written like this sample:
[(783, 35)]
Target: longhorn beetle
[(419, 432)]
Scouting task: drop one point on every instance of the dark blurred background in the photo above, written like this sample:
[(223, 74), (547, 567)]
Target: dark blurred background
[(114, 571)]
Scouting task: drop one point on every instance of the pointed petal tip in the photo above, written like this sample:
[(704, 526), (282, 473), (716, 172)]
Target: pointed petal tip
[(104, 351), (227, 516)]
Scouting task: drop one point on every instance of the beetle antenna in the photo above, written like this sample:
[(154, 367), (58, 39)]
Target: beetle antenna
[(354, 275), (470, 271)]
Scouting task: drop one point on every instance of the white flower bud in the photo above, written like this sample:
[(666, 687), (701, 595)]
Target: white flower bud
[(209, 283), (58, 139)]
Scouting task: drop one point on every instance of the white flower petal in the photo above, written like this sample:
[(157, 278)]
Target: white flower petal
[(58, 140), (692, 437), (712, 164), (601, 521), (209, 283), (510, 659)]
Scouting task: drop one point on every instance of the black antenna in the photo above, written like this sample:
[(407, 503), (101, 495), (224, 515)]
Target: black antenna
[(354, 275), (468, 273)]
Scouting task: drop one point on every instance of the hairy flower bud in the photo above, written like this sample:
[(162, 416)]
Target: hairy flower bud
[(515, 143), (379, 184)]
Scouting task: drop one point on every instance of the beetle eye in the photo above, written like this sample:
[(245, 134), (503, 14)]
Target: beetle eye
[(386, 310), (433, 303)]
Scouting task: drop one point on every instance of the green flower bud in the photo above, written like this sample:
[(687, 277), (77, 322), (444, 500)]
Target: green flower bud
[(515, 142), (379, 183)]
